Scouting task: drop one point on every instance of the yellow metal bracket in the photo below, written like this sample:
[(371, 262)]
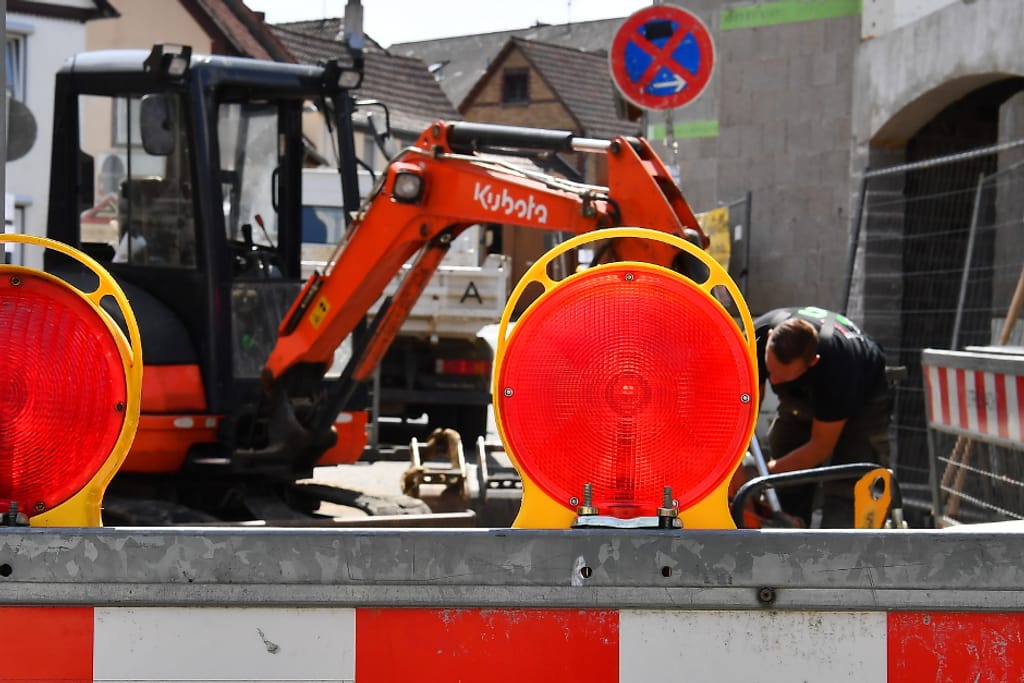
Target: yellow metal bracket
[(872, 497)]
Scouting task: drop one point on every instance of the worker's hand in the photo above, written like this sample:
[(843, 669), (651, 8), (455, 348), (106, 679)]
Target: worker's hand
[(744, 473), (741, 476), (748, 470)]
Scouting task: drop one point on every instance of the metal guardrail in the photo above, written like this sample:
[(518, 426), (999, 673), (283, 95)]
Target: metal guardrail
[(649, 569)]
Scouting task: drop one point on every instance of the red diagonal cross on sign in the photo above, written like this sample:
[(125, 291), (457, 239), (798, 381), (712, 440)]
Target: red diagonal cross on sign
[(661, 57), (684, 86)]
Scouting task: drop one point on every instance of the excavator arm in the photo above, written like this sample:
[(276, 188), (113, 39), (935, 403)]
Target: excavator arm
[(454, 176), (457, 175)]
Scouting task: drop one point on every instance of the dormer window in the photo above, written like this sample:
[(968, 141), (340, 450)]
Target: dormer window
[(515, 86)]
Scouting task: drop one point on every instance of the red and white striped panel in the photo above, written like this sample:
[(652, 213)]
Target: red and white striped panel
[(983, 404), (80, 644)]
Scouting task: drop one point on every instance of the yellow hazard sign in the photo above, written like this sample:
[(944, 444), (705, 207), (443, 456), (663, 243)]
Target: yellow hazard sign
[(715, 224), (319, 312)]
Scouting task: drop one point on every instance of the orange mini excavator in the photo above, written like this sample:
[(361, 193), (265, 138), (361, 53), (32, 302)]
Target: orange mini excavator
[(254, 376)]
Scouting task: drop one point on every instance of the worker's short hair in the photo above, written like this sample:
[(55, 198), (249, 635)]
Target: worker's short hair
[(792, 339)]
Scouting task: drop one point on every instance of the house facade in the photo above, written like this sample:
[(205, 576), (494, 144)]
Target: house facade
[(39, 37), (544, 85), (42, 36)]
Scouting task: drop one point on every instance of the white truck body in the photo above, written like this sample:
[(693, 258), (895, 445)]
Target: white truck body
[(466, 293), (424, 369), (460, 299)]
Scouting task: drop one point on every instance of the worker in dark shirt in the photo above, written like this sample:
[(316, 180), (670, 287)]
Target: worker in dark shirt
[(834, 403)]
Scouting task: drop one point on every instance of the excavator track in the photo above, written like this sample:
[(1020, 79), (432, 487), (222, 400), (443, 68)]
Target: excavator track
[(387, 510), (126, 511), (372, 504)]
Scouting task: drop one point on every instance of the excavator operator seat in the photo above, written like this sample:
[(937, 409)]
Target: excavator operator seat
[(156, 226)]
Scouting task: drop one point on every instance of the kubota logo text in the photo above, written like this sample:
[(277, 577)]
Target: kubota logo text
[(504, 203)]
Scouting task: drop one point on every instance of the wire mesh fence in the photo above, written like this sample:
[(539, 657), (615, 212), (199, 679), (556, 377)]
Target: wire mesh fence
[(977, 481), (936, 253)]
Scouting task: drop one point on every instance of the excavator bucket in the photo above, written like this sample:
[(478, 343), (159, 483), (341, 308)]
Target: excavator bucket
[(626, 393), (70, 391)]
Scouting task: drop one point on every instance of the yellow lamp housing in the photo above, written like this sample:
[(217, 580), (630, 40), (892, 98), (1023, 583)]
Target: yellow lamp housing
[(872, 499), (626, 392), (70, 390)]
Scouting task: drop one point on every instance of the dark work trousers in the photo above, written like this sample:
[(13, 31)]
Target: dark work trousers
[(865, 438)]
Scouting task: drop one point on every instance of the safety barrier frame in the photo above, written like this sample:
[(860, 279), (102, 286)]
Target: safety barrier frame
[(977, 396), (497, 568)]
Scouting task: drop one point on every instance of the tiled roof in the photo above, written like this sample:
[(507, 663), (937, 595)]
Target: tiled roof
[(105, 10), (241, 29), (317, 29), (466, 58), (414, 99), (579, 78)]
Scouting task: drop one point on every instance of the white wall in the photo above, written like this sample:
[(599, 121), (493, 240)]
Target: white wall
[(879, 17), (906, 77), (48, 44)]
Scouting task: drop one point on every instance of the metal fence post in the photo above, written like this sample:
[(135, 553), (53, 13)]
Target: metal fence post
[(746, 251), (968, 255), (854, 239)]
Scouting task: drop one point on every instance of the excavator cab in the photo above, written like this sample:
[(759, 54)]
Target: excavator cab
[(181, 175)]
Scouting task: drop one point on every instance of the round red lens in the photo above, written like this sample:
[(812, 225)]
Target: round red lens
[(62, 393), (629, 379)]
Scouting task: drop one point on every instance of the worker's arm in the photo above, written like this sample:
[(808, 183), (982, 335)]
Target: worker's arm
[(824, 436)]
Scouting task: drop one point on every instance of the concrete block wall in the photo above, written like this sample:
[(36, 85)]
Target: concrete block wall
[(780, 97), (793, 155)]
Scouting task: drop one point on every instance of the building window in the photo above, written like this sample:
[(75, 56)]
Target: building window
[(515, 86), (15, 62)]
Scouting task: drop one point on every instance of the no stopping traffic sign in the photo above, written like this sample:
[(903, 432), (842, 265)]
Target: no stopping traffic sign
[(661, 57)]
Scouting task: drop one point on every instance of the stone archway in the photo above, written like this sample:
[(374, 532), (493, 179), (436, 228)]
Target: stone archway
[(905, 78), (947, 83)]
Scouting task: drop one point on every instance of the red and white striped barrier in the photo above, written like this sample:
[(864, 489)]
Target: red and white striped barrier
[(79, 644), (975, 395)]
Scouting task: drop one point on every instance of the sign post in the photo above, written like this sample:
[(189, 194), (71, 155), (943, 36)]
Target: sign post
[(661, 59)]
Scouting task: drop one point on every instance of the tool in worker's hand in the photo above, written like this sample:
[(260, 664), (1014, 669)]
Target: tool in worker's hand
[(762, 470)]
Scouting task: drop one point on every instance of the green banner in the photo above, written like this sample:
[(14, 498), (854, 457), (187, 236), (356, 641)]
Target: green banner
[(786, 12), (684, 129)]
